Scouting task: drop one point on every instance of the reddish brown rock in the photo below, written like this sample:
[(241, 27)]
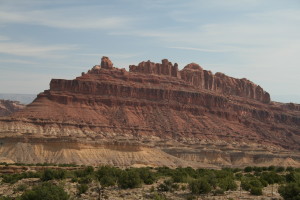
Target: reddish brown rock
[(154, 103), (106, 63), (8, 107), (166, 68)]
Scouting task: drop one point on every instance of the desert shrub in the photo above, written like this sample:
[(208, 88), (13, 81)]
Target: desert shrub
[(108, 175), (200, 186), (235, 170), (220, 174), (87, 171), (291, 191), (257, 169), (50, 174), (107, 181), (74, 179), (191, 197), (238, 176), (227, 184), (147, 176), (82, 188), (263, 182), (280, 169), (180, 176), (152, 189), (85, 180), (129, 179), (21, 187), (68, 165), (272, 177), (257, 174), (157, 196), (13, 178), (271, 168), (175, 186), (248, 169), (218, 191), (6, 198), (210, 176), (166, 186), (264, 168), (247, 183), (290, 169), (164, 171), (256, 191), (292, 177), (45, 191)]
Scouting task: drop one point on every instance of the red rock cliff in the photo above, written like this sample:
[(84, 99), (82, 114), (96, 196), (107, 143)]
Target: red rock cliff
[(158, 99), (203, 79), (207, 117)]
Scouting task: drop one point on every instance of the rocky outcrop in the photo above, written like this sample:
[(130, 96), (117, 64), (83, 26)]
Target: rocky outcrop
[(159, 107), (8, 107), (165, 68), (203, 79)]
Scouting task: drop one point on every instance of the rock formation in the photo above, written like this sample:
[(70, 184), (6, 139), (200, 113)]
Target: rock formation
[(188, 117), (8, 107)]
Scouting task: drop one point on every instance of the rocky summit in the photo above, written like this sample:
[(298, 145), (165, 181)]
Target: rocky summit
[(153, 115)]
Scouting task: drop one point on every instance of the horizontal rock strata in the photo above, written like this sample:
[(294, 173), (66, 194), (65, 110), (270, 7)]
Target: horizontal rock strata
[(160, 107)]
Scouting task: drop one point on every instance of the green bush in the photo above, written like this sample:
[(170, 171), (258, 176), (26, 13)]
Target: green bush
[(45, 191), (280, 169), (108, 176), (164, 171), (218, 192), (238, 176), (129, 179), (82, 188), (13, 178), (257, 169), (265, 168), (271, 168), (147, 176), (85, 180), (107, 181), (291, 191), (87, 171), (200, 186), (227, 184), (290, 169), (166, 186), (6, 198), (50, 174), (248, 169), (272, 177), (191, 197), (21, 187), (157, 196), (248, 183), (256, 191)]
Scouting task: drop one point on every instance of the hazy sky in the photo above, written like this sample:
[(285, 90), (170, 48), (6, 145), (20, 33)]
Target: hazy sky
[(256, 39)]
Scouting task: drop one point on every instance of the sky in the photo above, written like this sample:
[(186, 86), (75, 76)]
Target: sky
[(254, 39)]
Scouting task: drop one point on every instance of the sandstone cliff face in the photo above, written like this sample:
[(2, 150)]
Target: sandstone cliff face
[(160, 108), (8, 107), (203, 79)]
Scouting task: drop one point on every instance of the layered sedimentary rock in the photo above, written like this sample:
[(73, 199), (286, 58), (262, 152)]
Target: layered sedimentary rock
[(189, 117), (8, 107)]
